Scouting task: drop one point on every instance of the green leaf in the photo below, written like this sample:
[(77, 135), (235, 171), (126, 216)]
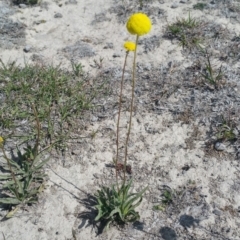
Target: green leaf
[(5, 177), (20, 187), (12, 201), (99, 216), (41, 164), (9, 184), (138, 196), (117, 210)]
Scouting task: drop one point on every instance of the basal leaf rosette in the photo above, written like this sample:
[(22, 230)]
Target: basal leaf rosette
[(139, 24), (130, 46)]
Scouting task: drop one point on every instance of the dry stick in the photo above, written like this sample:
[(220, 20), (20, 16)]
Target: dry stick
[(119, 113), (131, 110), (38, 131)]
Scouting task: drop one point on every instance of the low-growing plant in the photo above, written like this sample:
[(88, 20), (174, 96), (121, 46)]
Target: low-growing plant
[(211, 75), (24, 177), (199, 6), (226, 130), (167, 198), (59, 96), (185, 30), (117, 204), (77, 69)]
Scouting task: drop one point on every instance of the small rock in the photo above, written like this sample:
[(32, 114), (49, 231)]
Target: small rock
[(183, 1), (116, 55), (174, 5), (58, 15), (219, 146), (76, 152), (22, 5), (94, 119), (27, 48), (217, 212)]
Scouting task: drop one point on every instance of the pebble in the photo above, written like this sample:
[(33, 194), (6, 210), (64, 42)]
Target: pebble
[(76, 152), (27, 48), (22, 5), (219, 146), (174, 5), (183, 1), (217, 212), (94, 119), (58, 15)]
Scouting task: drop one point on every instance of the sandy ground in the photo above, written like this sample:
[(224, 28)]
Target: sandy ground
[(166, 152)]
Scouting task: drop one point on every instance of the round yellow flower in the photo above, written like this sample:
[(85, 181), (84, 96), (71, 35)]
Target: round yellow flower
[(130, 46), (1, 140), (139, 23)]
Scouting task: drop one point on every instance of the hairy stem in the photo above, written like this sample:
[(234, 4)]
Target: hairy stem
[(131, 110), (119, 114)]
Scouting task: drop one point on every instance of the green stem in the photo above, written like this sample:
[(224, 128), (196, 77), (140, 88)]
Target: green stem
[(119, 114), (131, 110)]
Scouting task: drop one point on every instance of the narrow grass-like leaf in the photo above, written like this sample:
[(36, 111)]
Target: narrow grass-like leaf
[(11, 201)]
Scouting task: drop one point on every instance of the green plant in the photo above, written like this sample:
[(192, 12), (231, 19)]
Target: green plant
[(118, 205), (77, 69), (59, 96), (199, 6), (25, 179), (226, 131), (98, 63), (211, 75), (186, 31), (188, 22), (24, 176), (167, 198)]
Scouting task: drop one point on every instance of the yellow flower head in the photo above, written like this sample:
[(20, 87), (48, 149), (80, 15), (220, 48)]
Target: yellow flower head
[(139, 23), (1, 140), (130, 46)]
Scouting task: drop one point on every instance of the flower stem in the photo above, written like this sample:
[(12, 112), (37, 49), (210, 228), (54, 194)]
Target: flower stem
[(119, 114), (131, 110)]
